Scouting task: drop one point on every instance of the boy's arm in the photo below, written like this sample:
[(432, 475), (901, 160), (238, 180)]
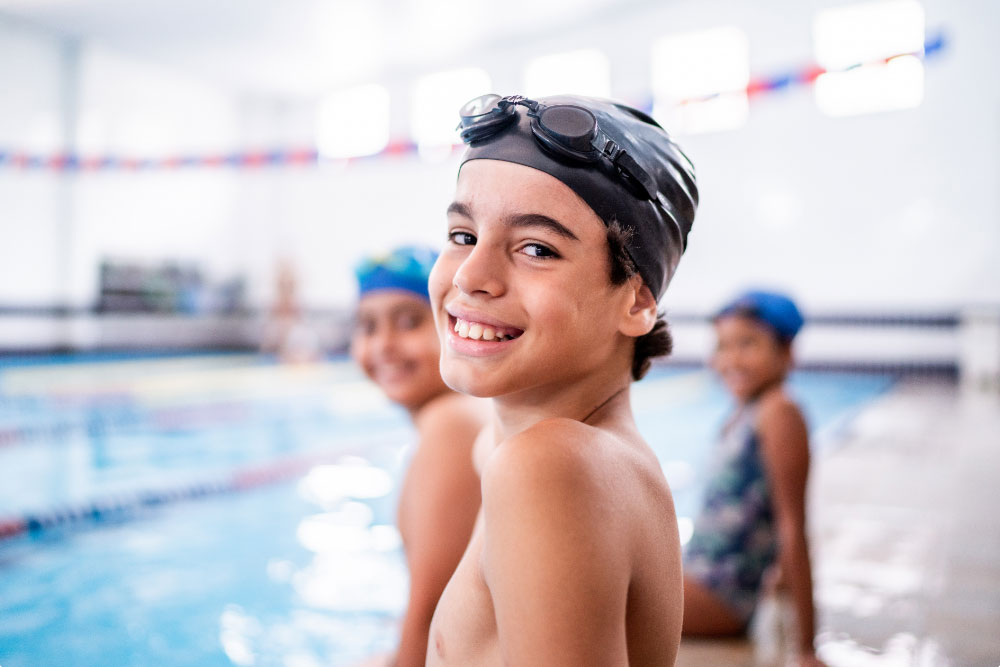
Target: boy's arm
[(785, 447), (441, 498), (555, 561)]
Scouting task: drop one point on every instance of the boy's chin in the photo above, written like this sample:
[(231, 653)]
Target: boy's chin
[(467, 381), (477, 389)]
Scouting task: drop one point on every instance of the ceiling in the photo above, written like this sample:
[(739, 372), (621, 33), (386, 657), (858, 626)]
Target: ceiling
[(305, 47)]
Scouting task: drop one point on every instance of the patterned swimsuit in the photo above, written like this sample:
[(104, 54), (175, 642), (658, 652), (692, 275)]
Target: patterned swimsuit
[(734, 539)]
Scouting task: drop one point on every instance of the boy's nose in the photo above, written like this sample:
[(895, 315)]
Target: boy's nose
[(481, 272)]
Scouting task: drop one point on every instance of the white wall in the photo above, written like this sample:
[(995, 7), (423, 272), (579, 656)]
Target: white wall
[(889, 211), (31, 64), (137, 109)]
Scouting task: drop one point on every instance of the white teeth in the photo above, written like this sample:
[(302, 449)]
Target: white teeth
[(476, 331)]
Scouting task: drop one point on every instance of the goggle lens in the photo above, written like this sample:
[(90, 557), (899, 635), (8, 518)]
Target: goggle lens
[(573, 127), (483, 117), (479, 107)]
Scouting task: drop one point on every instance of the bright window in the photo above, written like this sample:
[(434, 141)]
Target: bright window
[(353, 122), (862, 37), (436, 100), (700, 80), (583, 72)]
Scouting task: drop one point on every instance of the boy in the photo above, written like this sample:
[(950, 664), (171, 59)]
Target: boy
[(396, 346), (754, 509), (569, 218)]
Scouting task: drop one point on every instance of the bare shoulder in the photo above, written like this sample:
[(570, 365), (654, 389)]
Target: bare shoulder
[(562, 467), (562, 548), (549, 489), (562, 451), (450, 418), (778, 409), (784, 436), (580, 543), (455, 408)]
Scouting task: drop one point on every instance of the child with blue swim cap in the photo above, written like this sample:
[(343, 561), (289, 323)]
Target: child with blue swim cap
[(753, 516), (395, 343)]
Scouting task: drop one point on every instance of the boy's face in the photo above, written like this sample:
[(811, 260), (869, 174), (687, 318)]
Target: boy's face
[(748, 356), (396, 346), (524, 275)]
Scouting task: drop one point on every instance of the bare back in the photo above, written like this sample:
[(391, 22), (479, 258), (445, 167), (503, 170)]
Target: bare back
[(575, 558)]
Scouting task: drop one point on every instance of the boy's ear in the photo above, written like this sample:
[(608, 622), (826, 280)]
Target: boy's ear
[(640, 316)]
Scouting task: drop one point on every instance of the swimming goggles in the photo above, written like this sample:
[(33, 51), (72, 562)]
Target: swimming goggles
[(566, 131)]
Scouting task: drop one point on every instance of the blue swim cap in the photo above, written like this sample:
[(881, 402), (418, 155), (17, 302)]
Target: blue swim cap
[(405, 268), (772, 308)]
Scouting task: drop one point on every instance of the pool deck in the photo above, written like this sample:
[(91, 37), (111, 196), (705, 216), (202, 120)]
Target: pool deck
[(905, 537)]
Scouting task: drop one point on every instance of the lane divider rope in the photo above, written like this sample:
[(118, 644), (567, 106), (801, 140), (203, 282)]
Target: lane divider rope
[(122, 506)]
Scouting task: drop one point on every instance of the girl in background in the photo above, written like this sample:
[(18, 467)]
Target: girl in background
[(754, 513)]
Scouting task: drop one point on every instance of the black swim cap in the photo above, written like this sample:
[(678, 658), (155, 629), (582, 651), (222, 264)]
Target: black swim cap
[(658, 227)]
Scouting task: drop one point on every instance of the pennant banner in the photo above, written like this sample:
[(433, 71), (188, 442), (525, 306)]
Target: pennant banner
[(70, 162)]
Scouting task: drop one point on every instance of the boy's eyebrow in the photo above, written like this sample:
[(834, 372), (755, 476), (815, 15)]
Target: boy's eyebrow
[(520, 220), (539, 220), (459, 208)]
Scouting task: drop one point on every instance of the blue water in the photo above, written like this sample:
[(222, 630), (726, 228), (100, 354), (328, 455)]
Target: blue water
[(301, 572)]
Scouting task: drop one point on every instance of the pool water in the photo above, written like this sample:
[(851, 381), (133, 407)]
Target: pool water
[(224, 510)]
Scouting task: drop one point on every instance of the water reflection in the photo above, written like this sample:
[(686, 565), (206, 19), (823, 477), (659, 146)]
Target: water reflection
[(355, 566), (236, 633), (328, 485)]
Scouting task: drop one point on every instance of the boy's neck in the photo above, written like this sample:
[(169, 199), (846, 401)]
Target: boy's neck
[(594, 400)]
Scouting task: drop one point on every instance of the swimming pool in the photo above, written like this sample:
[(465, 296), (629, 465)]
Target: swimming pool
[(224, 510)]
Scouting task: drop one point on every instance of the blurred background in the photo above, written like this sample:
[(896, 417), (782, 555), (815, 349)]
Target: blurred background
[(176, 177)]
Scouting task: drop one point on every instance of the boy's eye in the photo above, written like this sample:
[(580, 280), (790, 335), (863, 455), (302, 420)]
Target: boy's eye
[(538, 250), (462, 238)]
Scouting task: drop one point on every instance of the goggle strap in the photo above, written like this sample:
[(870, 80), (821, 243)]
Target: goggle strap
[(488, 124), (627, 165)]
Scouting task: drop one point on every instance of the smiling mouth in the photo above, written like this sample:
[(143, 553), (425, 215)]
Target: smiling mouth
[(486, 332)]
